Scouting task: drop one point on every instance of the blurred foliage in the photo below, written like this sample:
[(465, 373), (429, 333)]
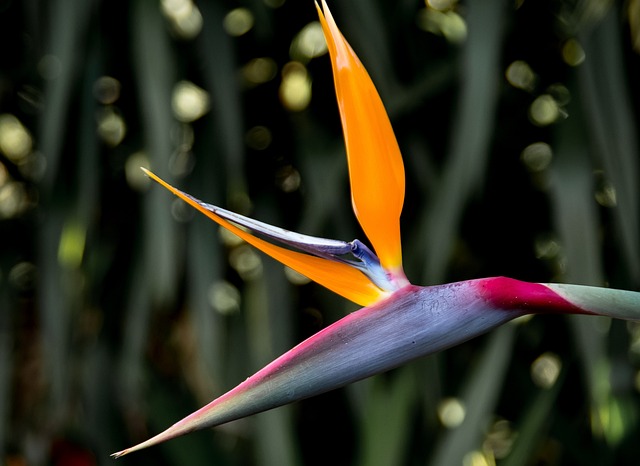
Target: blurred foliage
[(121, 311)]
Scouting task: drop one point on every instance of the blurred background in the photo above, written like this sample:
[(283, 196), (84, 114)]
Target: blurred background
[(121, 310)]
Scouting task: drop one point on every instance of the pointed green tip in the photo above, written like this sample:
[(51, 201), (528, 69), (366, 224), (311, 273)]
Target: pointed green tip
[(618, 304)]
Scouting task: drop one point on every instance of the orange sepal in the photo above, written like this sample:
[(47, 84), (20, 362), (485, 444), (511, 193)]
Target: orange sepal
[(375, 164)]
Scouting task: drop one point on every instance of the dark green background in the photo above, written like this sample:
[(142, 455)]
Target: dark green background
[(101, 351)]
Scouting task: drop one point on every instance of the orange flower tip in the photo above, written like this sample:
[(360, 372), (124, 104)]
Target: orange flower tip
[(184, 196), (376, 170)]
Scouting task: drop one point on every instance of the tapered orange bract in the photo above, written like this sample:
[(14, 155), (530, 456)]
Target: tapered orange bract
[(338, 277), (375, 163)]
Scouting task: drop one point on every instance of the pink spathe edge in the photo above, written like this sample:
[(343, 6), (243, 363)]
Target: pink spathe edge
[(536, 298)]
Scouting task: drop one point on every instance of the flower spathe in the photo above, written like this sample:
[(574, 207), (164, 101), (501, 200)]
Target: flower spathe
[(401, 321)]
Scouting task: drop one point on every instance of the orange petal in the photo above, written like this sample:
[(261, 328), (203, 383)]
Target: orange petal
[(339, 278), (375, 163)]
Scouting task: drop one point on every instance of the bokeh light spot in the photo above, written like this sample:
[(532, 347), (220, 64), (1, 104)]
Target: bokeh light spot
[(615, 420), (295, 89), (295, 277), (72, 245), (476, 458), (34, 166), (448, 24), (573, 53), (259, 70), (547, 247), (605, 192), (189, 102), (111, 126), (246, 262), (23, 276), (258, 138), (451, 412), (288, 179), (228, 238), (181, 163), (546, 369), (15, 140), (174, 8), (135, 176), (4, 175), (106, 90), (560, 94), (224, 297), (441, 5), (520, 75), (184, 16), (537, 156), (544, 110), (238, 21), (13, 199), (188, 26), (239, 201), (181, 211), (500, 438), (182, 136), (182, 160), (308, 43)]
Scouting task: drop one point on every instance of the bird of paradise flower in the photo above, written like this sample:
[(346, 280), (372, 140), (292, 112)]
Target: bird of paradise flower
[(400, 321)]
